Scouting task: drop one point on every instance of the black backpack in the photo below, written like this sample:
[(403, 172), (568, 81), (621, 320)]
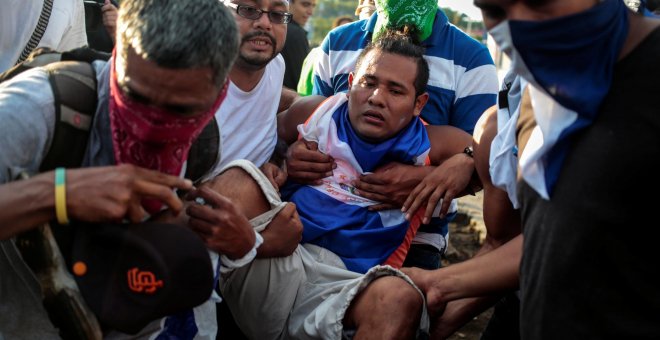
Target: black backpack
[(73, 81)]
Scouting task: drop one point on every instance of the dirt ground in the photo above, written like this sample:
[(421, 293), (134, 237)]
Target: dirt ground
[(466, 234)]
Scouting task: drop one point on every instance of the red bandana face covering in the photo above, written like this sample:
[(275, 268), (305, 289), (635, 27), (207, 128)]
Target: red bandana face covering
[(151, 137)]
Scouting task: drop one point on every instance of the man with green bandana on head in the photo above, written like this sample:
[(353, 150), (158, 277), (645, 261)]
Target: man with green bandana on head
[(463, 84), (419, 14)]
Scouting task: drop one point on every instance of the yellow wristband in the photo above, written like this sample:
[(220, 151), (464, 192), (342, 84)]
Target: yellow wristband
[(60, 196)]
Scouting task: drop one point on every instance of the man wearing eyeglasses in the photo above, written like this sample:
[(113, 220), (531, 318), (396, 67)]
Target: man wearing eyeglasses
[(248, 129), (247, 119)]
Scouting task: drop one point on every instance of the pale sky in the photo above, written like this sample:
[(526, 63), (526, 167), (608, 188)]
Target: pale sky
[(464, 6)]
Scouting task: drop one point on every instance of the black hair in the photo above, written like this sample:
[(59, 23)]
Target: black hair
[(402, 41), (337, 22)]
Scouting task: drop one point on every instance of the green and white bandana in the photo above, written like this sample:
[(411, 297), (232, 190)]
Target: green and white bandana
[(395, 13)]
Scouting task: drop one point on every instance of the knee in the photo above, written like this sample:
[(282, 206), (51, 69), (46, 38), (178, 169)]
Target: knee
[(395, 291), (389, 305)]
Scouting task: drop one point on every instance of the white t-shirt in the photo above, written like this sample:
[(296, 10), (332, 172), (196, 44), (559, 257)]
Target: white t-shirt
[(248, 120), (18, 19)]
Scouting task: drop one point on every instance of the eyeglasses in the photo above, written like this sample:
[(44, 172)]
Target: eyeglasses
[(253, 13)]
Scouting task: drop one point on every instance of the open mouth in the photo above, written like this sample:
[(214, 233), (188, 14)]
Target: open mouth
[(373, 116), (259, 40)]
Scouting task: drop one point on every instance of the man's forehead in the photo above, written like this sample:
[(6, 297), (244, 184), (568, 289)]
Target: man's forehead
[(370, 61), (375, 56), (373, 62)]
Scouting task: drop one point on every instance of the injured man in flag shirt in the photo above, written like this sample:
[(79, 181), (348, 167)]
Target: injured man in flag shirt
[(340, 270), (376, 123)]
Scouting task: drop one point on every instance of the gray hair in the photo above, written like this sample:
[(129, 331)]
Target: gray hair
[(179, 34)]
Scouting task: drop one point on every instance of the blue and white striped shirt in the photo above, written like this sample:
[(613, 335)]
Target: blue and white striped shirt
[(462, 84), (463, 79)]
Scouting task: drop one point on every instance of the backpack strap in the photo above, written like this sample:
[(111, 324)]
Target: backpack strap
[(503, 96), (85, 54), (44, 17), (42, 56), (74, 89)]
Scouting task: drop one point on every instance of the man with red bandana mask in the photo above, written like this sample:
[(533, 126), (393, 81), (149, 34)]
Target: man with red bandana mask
[(164, 84), (152, 105)]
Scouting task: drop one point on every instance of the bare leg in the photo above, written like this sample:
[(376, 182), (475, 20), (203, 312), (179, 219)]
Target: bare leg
[(235, 184), (239, 187), (283, 233), (389, 308)]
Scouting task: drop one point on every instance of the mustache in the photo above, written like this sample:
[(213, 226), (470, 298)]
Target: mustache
[(259, 34)]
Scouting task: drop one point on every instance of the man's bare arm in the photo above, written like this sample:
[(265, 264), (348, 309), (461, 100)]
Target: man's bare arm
[(287, 98), (288, 121), (99, 194)]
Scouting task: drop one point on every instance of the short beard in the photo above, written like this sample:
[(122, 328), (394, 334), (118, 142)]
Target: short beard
[(258, 62)]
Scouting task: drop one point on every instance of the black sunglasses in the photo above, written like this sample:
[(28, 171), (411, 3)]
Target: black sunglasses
[(253, 13)]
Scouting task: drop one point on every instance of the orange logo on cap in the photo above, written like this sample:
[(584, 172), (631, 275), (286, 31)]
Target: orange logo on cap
[(143, 281)]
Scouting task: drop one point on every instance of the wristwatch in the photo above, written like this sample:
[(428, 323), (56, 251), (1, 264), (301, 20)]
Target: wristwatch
[(469, 151)]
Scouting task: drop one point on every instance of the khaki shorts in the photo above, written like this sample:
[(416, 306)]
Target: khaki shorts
[(304, 295)]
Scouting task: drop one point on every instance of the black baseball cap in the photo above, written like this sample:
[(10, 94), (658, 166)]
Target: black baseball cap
[(130, 275)]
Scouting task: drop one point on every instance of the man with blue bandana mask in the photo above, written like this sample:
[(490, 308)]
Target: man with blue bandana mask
[(462, 85), (593, 135)]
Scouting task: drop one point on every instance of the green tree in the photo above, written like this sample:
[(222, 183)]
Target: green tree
[(475, 28), (326, 11)]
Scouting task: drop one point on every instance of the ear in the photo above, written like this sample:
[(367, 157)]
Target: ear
[(420, 101), (350, 84)]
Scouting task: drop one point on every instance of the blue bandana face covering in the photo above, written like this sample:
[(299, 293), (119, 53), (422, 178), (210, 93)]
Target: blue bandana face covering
[(571, 59)]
